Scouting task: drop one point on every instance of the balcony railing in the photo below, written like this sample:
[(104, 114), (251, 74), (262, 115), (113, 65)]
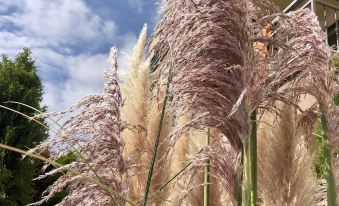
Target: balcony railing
[(328, 16)]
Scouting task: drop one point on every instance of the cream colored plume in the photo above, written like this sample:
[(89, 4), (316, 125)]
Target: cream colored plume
[(135, 92), (285, 175), (188, 188), (141, 112)]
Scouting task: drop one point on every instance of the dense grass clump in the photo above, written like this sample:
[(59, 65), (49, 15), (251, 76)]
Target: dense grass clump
[(209, 73)]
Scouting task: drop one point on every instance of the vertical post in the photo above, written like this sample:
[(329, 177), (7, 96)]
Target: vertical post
[(325, 24), (313, 3)]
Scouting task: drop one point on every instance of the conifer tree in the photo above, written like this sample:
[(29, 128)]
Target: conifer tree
[(19, 82)]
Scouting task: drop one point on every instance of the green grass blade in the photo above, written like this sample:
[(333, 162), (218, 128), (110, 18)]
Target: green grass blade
[(156, 145), (331, 193), (173, 177), (250, 165), (75, 150), (26, 116), (58, 165), (39, 111), (26, 105), (240, 178)]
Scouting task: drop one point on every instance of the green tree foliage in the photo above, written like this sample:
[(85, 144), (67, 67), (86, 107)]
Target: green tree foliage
[(19, 82)]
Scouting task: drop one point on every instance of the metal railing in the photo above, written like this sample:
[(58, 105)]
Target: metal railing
[(327, 15)]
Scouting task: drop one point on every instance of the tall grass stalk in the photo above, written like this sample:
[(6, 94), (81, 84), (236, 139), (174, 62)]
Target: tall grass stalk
[(174, 177), (250, 164), (24, 115), (239, 181), (331, 194), (253, 158), (207, 175), (156, 145)]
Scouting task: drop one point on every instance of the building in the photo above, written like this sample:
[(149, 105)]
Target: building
[(327, 12)]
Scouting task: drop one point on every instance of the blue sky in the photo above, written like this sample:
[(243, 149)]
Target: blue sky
[(70, 40)]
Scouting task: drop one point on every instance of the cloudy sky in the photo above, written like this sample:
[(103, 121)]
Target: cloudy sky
[(70, 40)]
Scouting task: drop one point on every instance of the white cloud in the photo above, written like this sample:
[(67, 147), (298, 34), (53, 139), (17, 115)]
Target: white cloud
[(12, 43), (50, 29), (129, 42), (85, 74), (59, 21), (84, 68)]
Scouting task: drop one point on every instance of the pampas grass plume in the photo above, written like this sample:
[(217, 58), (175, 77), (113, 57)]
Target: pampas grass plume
[(135, 92), (285, 175)]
